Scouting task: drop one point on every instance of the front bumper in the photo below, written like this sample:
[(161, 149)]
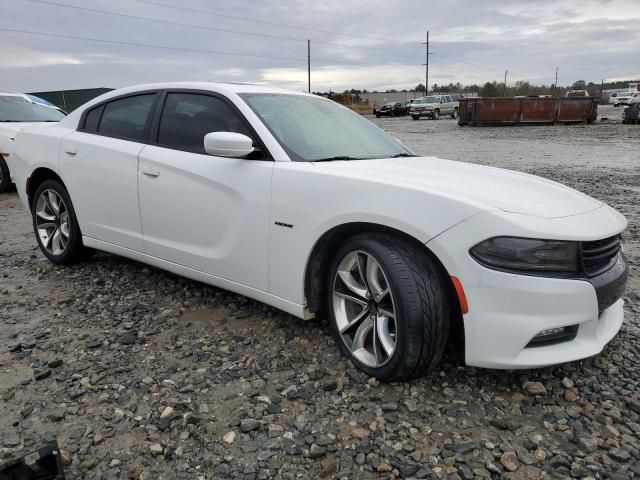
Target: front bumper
[(506, 311), (421, 113)]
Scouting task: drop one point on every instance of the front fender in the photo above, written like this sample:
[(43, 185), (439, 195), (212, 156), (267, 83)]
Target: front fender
[(307, 203)]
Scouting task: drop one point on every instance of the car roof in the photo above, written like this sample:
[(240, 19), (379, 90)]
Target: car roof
[(227, 89), (213, 86)]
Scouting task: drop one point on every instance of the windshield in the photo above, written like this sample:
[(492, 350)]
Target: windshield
[(18, 109), (430, 100), (313, 128)]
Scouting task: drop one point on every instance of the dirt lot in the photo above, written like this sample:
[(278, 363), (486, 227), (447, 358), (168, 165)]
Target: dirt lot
[(142, 374)]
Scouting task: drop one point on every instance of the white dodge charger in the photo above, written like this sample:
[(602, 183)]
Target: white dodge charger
[(300, 203)]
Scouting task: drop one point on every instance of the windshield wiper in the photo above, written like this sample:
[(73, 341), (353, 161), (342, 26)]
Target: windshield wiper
[(398, 155), (338, 157)]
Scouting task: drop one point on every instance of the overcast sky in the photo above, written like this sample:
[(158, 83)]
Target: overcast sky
[(373, 44)]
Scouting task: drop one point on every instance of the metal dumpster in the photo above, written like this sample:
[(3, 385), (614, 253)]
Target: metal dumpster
[(526, 110)]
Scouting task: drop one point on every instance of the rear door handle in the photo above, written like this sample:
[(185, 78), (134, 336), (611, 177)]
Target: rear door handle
[(150, 171), (71, 151)]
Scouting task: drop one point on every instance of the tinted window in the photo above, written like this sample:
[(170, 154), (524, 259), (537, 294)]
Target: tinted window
[(126, 118), (188, 117), (93, 119)]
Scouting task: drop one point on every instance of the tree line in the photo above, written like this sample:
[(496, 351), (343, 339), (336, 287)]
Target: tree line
[(498, 89)]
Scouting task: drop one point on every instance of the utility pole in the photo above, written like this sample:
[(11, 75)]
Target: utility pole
[(426, 79), (555, 85), (309, 65), (504, 88)]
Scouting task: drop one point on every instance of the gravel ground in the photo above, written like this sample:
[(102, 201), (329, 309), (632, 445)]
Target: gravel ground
[(141, 374)]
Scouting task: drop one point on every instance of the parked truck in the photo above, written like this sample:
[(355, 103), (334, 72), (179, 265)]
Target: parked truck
[(434, 106)]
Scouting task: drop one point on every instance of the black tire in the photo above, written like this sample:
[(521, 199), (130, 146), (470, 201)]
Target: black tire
[(415, 117), (454, 115), (377, 116), (421, 302), (5, 178), (74, 251), (435, 115)]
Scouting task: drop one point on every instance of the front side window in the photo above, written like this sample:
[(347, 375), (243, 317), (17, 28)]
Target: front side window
[(188, 117), (311, 128), (127, 117), (19, 109)]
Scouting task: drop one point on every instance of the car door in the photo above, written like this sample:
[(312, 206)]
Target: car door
[(200, 211), (99, 165), (445, 108)]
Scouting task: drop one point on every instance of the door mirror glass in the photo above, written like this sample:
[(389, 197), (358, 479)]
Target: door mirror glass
[(228, 144)]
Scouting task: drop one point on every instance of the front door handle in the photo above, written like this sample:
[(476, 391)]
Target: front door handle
[(71, 151), (150, 171)]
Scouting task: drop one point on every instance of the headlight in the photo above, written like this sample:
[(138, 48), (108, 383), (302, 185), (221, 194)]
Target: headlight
[(528, 255)]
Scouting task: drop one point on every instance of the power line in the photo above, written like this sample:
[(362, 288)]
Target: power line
[(265, 22), (147, 45), (193, 50), (191, 25)]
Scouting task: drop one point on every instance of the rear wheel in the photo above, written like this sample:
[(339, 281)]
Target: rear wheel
[(436, 114), (415, 117), (388, 306), (55, 224), (5, 178), (454, 115)]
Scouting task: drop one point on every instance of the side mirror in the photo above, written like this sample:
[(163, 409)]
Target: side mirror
[(228, 144)]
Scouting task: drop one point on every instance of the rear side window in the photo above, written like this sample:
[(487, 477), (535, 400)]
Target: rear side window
[(93, 119), (126, 118), (188, 117)]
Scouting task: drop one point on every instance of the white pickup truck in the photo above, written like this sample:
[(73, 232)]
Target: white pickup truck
[(434, 106)]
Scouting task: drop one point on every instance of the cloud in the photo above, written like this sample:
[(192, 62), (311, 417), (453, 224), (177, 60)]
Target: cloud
[(373, 44)]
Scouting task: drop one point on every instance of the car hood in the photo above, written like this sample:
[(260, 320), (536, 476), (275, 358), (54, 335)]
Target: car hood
[(10, 129), (506, 190)]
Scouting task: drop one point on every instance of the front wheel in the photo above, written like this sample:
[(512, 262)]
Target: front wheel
[(5, 178), (436, 114), (415, 117), (388, 306), (55, 224)]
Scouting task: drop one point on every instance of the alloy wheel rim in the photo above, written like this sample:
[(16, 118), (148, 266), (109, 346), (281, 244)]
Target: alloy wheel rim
[(364, 309), (52, 222)]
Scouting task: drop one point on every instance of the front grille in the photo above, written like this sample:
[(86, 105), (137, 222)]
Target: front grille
[(600, 255)]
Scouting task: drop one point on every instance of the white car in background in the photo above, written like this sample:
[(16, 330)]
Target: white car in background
[(298, 202), (620, 98), (18, 111)]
